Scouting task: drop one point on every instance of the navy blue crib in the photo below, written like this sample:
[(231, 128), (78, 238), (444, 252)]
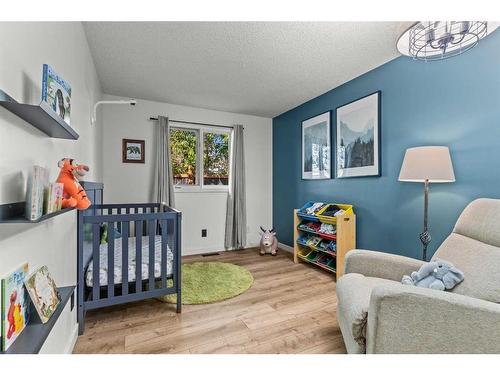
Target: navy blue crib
[(139, 258)]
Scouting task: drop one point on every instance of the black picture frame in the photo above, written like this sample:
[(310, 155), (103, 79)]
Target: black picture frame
[(311, 121), (374, 170)]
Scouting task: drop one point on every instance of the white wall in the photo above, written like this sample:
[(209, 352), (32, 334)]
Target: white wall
[(132, 182), (24, 48)]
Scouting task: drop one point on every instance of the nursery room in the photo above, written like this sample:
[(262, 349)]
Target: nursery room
[(249, 187)]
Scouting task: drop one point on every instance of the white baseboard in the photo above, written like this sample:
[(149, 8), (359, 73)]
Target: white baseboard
[(214, 249), (72, 341), (287, 248)]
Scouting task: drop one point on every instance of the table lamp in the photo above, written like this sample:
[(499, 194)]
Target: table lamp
[(427, 164)]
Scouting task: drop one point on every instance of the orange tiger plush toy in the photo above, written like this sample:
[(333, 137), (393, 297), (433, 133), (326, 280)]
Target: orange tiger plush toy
[(74, 195)]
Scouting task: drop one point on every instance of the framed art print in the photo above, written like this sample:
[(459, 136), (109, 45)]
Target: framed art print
[(133, 151), (358, 137), (316, 147)]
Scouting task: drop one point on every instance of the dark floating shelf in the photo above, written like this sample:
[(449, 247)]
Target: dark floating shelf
[(40, 116), (32, 338), (13, 213)]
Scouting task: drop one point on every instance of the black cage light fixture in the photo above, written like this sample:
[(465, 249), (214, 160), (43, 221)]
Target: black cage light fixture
[(437, 40)]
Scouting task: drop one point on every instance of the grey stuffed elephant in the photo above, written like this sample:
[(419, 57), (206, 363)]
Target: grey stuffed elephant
[(438, 274)]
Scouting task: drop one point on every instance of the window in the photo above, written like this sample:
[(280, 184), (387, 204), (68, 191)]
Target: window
[(215, 158), (200, 152), (184, 146)]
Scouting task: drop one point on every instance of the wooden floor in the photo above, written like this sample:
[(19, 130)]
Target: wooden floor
[(290, 308)]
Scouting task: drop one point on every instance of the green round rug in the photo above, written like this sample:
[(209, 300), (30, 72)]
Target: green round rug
[(207, 282)]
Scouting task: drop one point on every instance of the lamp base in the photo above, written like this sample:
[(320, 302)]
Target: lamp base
[(425, 236)]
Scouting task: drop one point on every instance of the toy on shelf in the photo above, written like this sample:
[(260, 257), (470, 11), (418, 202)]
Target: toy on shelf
[(268, 242), (74, 195)]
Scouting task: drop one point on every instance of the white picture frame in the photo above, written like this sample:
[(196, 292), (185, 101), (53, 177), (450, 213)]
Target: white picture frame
[(316, 147)]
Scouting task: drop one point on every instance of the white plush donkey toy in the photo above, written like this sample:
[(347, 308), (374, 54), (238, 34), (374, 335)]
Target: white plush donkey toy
[(268, 242)]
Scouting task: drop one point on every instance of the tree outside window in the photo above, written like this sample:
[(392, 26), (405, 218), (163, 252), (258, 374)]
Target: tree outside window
[(186, 153)]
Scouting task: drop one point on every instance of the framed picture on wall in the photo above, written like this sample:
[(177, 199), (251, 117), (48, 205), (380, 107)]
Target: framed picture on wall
[(133, 151), (316, 147), (358, 137)]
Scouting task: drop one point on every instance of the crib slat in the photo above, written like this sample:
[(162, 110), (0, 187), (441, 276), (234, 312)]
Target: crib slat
[(163, 254), (96, 239), (151, 273), (125, 232), (135, 210), (111, 259), (130, 227), (119, 223), (138, 257)]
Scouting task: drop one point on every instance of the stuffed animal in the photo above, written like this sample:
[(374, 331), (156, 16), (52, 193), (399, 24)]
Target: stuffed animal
[(437, 274), (74, 195), (268, 242)]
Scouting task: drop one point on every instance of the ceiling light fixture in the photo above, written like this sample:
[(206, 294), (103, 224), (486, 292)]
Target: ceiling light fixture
[(438, 40)]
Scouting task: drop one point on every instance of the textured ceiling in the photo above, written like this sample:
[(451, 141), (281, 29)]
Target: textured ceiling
[(257, 68)]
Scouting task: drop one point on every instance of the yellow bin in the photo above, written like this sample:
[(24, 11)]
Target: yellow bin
[(333, 219)]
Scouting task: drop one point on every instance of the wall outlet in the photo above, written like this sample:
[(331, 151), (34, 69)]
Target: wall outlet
[(203, 232)]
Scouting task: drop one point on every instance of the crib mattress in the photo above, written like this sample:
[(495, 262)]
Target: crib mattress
[(103, 262)]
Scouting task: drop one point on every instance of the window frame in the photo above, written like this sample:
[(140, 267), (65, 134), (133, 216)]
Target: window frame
[(200, 130)]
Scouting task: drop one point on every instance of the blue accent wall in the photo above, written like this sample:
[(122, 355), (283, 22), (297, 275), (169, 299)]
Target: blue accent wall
[(454, 102)]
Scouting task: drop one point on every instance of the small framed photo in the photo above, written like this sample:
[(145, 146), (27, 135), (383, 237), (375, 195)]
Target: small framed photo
[(133, 151), (358, 137), (316, 147)]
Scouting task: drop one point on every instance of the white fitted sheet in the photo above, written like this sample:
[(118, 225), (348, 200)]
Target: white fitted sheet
[(103, 262)]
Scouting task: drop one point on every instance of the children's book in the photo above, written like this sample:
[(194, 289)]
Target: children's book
[(37, 181), (15, 306), (43, 292), (56, 92), (53, 197)]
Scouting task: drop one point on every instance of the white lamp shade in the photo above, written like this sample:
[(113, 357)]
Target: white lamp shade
[(431, 163)]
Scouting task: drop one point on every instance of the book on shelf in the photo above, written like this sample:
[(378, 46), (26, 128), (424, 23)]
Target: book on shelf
[(53, 194), (43, 292), (15, 305), (56, 92), (37, 180)]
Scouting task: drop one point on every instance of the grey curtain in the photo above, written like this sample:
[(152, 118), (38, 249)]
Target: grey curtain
[(236, 215), (163, 191)]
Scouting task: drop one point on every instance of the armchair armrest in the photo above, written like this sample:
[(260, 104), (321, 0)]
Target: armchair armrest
[(378, 264), (407, 319)]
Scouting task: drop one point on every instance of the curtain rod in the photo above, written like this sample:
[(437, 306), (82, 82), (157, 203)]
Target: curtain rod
[(196, 123)]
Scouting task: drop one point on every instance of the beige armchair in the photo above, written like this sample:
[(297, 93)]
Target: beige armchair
[(377, 314)]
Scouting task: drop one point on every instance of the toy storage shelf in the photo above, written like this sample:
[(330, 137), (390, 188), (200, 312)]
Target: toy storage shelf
[(325, 258), (13, 213), (40, 116), (32, 338)]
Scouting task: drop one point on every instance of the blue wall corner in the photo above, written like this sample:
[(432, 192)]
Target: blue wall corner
[(454, 102)]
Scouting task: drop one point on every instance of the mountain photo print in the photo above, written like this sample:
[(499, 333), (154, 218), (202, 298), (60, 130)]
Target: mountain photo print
[(358, 137), (316, 154)]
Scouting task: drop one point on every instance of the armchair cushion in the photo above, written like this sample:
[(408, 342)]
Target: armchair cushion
[(406, 319), (378, 264), (478, 261), (353, 293), (479, 220)]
